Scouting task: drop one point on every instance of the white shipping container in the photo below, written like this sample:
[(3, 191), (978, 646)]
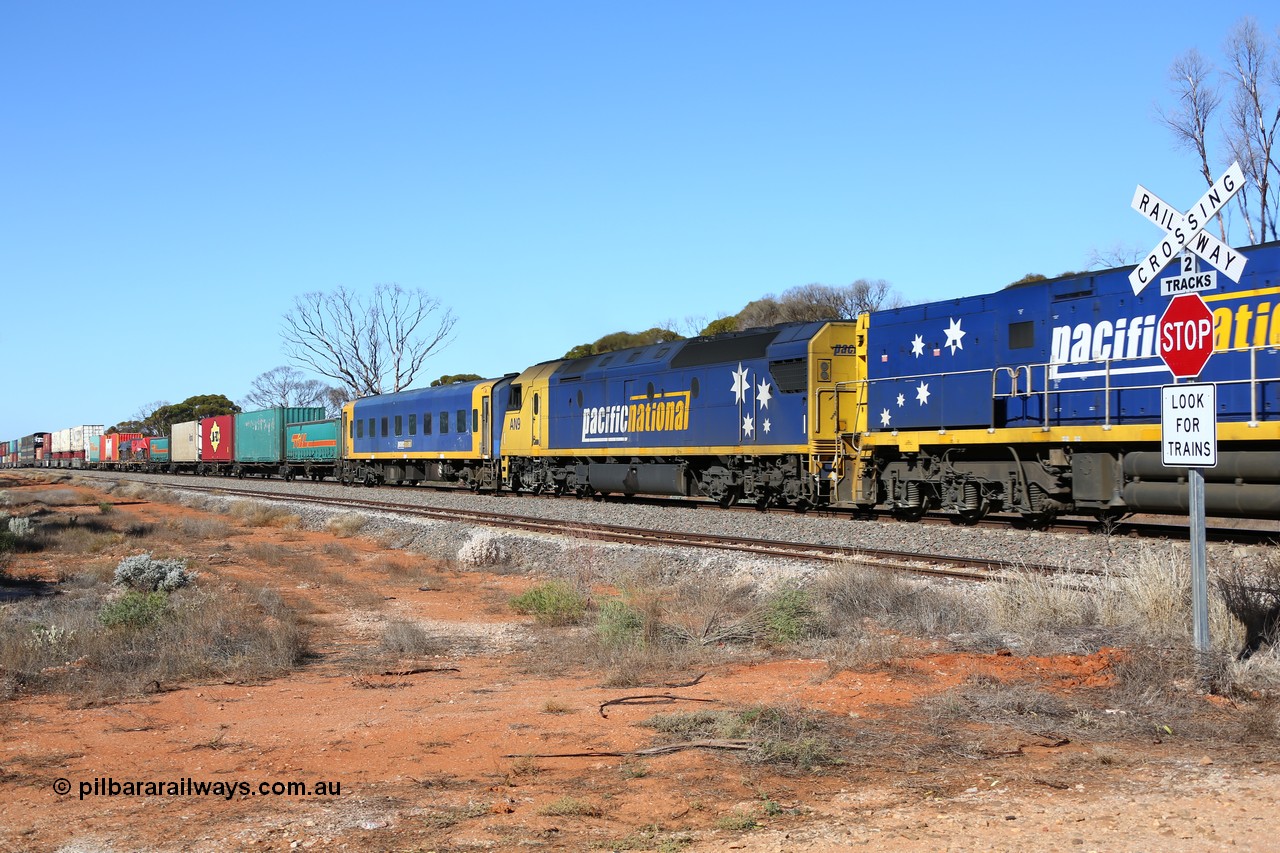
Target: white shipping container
[(184, 442), (62, 441), (92, 433), (76, 440)]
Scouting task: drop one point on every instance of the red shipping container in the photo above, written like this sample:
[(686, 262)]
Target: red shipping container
[(218, 439), (109, 445)]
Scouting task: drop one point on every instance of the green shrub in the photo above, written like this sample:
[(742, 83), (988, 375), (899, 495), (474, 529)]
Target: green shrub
[(789, 615), (135, 610), (619, 625), (551, 603)]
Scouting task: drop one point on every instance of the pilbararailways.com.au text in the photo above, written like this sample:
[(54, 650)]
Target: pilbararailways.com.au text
[(188, 787)]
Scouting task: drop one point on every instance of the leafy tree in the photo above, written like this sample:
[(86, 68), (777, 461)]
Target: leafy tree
[(161, 421), (722, 325), (453, 378), (1027, 279), (283, 387), (158, 418), (623, 340), (370, 344)]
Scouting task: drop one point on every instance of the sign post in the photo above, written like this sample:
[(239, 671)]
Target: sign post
[(1189, 437), (1184, 339)]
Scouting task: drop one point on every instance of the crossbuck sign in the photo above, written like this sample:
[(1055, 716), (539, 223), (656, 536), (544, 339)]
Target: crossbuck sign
[(1187, 230)]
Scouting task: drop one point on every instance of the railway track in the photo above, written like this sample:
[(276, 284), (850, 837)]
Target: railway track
[(935, 565)]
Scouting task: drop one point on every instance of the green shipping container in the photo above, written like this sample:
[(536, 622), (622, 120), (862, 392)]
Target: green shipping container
[(159, 450), (260, 436), (314, 441)]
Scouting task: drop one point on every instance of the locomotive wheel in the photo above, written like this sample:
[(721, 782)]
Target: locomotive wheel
[(370, 479), (1038, 520)]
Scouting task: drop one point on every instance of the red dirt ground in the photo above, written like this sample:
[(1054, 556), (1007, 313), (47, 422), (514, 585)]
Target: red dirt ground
[(422, 759)]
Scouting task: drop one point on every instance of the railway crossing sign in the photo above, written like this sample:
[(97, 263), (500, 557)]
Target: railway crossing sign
[(1184, 335), (1187, 230)]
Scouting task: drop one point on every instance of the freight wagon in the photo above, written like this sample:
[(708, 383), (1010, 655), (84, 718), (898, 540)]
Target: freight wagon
[(312, 449), (33, 450), (217, 444), (260, 439)]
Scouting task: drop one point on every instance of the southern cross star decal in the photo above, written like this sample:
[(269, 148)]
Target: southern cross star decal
[(902, 400), (922, 393), (884, 418), (764, 394), (917, 346), (740, 383), (954, 334), (748, 424)]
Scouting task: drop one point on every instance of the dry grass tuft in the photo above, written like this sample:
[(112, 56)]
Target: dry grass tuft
[(254, 514), (347, 524)]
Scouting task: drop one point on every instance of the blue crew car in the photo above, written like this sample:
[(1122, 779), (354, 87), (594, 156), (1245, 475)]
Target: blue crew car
[(446, 434)]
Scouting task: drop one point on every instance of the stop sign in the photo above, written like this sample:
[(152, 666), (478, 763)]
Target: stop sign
[(1185, 335)]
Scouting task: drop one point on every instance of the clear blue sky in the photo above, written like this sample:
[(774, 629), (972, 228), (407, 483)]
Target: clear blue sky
[(175, 173)]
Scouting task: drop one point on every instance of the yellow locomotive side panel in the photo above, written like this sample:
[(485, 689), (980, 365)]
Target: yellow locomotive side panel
[(524, 427), (348, 428), (837, 406)]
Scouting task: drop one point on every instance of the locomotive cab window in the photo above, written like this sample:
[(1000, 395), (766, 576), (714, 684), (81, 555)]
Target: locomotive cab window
[(1022, 335), (475, 420), (514, 399)]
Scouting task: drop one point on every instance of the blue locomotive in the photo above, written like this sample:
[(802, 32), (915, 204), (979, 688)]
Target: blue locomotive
[(1045, 397)]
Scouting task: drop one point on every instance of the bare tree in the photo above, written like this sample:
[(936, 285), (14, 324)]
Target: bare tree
[(1117, 255), (1253, 120), (335, 397), (865, 296), (370, 345), (1198, 97), (1248, 130), (141, 420), (284, 387)]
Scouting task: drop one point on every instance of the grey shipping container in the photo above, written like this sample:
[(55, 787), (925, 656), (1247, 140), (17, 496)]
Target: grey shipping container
[(260, 435), (184, 444)]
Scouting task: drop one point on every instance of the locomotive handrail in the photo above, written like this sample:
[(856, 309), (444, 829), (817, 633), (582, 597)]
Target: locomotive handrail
[(1105, 369)]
